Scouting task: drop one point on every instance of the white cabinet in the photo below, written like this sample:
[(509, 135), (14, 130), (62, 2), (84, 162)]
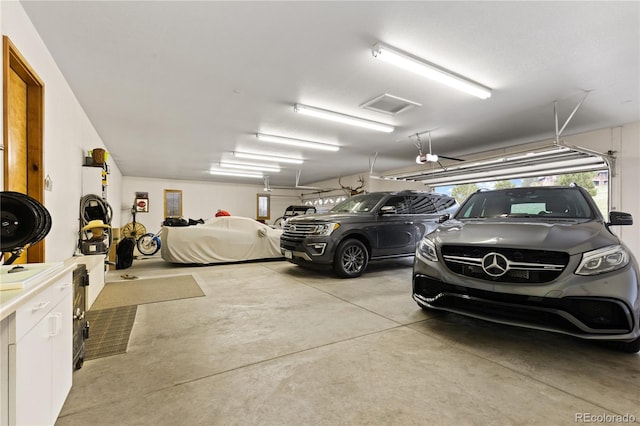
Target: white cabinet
[(39, 337), (43, 366)]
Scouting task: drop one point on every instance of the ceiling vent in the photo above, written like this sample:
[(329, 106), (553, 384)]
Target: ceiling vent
[(389, 104)]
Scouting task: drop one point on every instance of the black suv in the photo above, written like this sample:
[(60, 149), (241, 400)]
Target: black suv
[(365, 227)]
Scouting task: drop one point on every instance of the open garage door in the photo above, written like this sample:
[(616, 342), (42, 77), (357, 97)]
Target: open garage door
[(524, 162), (535, 159)]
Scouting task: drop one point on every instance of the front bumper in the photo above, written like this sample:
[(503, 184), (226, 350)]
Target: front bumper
[(317, 250), (605, 307)]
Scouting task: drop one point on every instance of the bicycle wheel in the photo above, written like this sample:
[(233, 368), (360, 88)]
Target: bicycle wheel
[(131, 231), (148, 244)]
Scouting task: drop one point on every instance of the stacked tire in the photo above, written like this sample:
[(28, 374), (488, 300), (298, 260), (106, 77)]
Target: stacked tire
[(24, 221)]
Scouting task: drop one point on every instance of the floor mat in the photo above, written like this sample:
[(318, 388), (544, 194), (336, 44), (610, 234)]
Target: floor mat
[(109, 331), (147, 290)]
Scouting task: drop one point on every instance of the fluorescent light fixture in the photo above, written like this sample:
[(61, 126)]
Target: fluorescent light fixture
[(267, 157), (236, 174), (342, 118), (426, 69), (243, 166), (297, 142)]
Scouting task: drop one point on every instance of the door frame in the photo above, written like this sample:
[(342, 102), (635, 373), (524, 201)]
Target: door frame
[(13, 60)]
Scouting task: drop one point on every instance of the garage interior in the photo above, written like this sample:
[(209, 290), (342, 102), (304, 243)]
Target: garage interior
[(272, 343), (172, 90)]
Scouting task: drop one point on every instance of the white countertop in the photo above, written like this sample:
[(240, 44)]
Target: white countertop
[(10, 300)]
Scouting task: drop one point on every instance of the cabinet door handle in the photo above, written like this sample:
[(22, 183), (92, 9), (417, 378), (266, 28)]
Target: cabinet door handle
[(55, 319), (39, 306)]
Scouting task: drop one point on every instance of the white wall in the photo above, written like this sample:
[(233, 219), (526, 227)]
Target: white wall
[(200, 200), (68, 135), (371, 184), (624, 141)]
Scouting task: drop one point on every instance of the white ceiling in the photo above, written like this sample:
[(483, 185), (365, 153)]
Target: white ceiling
[(173, 87)]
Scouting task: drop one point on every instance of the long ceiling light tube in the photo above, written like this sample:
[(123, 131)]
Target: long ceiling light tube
[(342, 118), (236, 174), (267, 157), (243, 166), (297, 142), (426, 69)]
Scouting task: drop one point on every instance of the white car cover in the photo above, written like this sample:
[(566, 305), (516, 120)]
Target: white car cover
[(219, 240)]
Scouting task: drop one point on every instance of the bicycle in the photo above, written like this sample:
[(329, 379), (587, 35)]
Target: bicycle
[(147, 243)]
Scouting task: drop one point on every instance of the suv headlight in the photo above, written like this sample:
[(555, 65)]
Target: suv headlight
[(427, 249), (603, 260), (324, 229)]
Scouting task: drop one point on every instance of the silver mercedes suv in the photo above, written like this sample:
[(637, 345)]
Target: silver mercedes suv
[(537, 257)]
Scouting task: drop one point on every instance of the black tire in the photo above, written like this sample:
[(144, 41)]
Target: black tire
[(24, 221), (628, 347), (351, 259), (148, 244)]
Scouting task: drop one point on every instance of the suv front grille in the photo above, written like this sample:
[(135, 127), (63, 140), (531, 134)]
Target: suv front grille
[(524, 266), (297, 232)]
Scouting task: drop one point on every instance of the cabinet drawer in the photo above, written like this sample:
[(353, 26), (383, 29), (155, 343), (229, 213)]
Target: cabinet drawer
[(40, 305)]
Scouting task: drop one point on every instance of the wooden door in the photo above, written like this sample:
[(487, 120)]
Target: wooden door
[(23, 105), (17, 144)]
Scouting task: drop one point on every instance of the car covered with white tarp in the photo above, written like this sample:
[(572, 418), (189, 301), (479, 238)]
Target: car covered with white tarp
[(220, 240)]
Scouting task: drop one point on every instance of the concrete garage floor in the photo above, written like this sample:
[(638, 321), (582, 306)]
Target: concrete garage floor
[(274, 344)]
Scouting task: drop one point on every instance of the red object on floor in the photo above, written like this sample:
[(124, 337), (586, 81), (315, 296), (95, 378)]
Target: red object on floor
[(222, 213)]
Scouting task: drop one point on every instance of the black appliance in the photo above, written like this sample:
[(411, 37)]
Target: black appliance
[(80, 323)]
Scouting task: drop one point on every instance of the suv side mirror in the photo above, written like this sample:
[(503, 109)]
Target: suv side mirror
[(620, 218), (387, 210), (444, 218)]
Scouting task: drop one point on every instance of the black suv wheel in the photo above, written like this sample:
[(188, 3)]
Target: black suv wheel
[(351, 259)]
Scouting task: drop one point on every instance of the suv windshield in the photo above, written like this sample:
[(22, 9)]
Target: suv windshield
[(527, 202), (358, 204)]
